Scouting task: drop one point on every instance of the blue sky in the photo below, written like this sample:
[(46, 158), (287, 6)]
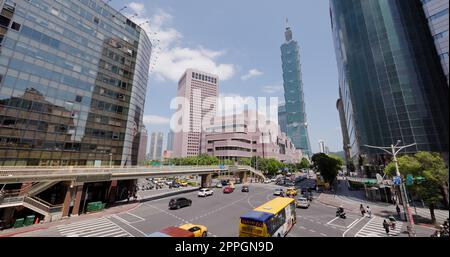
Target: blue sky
[(240, 41)]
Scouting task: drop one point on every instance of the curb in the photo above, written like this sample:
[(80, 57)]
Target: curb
[(164, 195)]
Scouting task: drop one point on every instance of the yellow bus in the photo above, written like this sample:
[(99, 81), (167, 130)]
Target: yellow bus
[(272, 219)]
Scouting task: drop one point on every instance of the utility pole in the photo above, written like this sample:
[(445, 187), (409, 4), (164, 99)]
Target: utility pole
[(394, 150)]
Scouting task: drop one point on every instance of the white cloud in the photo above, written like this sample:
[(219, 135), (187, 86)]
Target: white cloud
[(252, 73), (169, 58), (138, 8), (271, 89), (155, 120)]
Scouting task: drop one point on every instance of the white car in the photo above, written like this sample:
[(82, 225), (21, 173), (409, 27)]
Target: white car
[(273, 180), (302, 202), (205, 192), (267, 181), (278, 192), (219, 185)]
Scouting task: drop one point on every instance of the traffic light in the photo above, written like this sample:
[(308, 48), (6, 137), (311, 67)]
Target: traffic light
[(409, 180)]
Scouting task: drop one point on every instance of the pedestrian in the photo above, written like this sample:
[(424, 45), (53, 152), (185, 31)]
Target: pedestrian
[(363, 211), (369, 211), (386, 226), (128, 197), (398, 211)]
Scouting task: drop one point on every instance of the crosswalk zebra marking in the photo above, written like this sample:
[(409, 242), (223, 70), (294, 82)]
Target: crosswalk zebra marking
[(374, 228), (101, 227)]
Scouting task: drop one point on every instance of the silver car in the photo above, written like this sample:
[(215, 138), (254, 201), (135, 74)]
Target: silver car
[(302, 202)]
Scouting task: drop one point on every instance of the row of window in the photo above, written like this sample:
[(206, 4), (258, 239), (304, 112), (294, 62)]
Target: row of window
[(205, 78)]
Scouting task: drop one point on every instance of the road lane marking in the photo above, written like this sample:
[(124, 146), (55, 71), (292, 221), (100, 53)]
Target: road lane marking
[(142, 219), (129, 225), (365, 226), (121, 219), (323, 234), (312, 231), (354, 224), (328, 223)]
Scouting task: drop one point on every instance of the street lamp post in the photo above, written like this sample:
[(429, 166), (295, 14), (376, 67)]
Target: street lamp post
[(394, 150)]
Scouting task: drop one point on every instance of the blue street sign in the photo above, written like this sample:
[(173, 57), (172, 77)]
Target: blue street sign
[(221, 166), (397, 180)]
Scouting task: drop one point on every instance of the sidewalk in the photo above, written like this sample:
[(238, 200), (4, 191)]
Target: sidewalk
[(351, 201), (68, 220), (118, 207)]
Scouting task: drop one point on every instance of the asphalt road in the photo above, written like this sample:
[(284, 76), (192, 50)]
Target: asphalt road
[(219, 213)]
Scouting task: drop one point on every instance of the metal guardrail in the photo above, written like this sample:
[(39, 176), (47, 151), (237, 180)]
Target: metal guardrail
[(42, 205), (83, 174), (11, 200)]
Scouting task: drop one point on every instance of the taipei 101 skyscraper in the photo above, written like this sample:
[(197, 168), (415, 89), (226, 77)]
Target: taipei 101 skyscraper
[(297, 126)]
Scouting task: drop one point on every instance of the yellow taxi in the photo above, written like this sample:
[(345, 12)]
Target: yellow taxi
[(291, 191), (182, 182), (198, 230)]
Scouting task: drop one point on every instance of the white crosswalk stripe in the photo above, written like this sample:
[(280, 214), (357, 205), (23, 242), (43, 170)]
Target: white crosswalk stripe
[(101, 227), (374, 228)]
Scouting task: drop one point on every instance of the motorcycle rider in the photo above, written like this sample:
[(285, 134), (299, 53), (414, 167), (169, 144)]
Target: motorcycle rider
[(340, 211)]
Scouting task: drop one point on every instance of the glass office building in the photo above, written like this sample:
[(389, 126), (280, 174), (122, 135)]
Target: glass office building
[(297, 126), (437, 15), (391, 83), (73, 83), (282, 118)]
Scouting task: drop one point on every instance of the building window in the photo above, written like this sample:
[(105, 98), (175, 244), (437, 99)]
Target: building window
[(15, 26)]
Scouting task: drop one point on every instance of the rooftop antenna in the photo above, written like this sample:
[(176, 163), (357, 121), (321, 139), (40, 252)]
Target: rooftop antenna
[(143, 23)]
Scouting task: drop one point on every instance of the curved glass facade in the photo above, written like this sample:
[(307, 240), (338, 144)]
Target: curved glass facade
[(391, 82), (73, 83), (296, 124)]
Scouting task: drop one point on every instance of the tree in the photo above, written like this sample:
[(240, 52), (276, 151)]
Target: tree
[(435, 170), (430, 166), (327, 166), (245, 161), (303, 164)]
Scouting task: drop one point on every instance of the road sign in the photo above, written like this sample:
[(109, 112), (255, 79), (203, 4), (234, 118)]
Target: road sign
[(409, 180), (397, 181), (419, 180), (221, 166)]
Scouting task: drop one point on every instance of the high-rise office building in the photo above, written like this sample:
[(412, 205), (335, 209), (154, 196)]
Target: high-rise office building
[(297, 126), (391, 82), (436, 12), (170, 137), (282, 118), (200, 89), (156, 143), (344, 130), (73, 80), (142, 154)]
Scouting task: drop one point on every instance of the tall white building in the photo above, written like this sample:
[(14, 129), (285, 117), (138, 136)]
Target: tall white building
[(436, 11), (142, 154), (156, 144), (322, 146), (200, 89)]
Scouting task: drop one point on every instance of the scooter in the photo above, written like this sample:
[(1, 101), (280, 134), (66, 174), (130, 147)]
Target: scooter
[(341, 215)]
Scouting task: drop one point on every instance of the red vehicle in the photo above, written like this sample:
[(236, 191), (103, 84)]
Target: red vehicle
[(228, 190), (172, 232)]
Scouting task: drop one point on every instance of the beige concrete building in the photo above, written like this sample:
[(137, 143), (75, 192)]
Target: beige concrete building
[(200, 91), (247, 135)]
